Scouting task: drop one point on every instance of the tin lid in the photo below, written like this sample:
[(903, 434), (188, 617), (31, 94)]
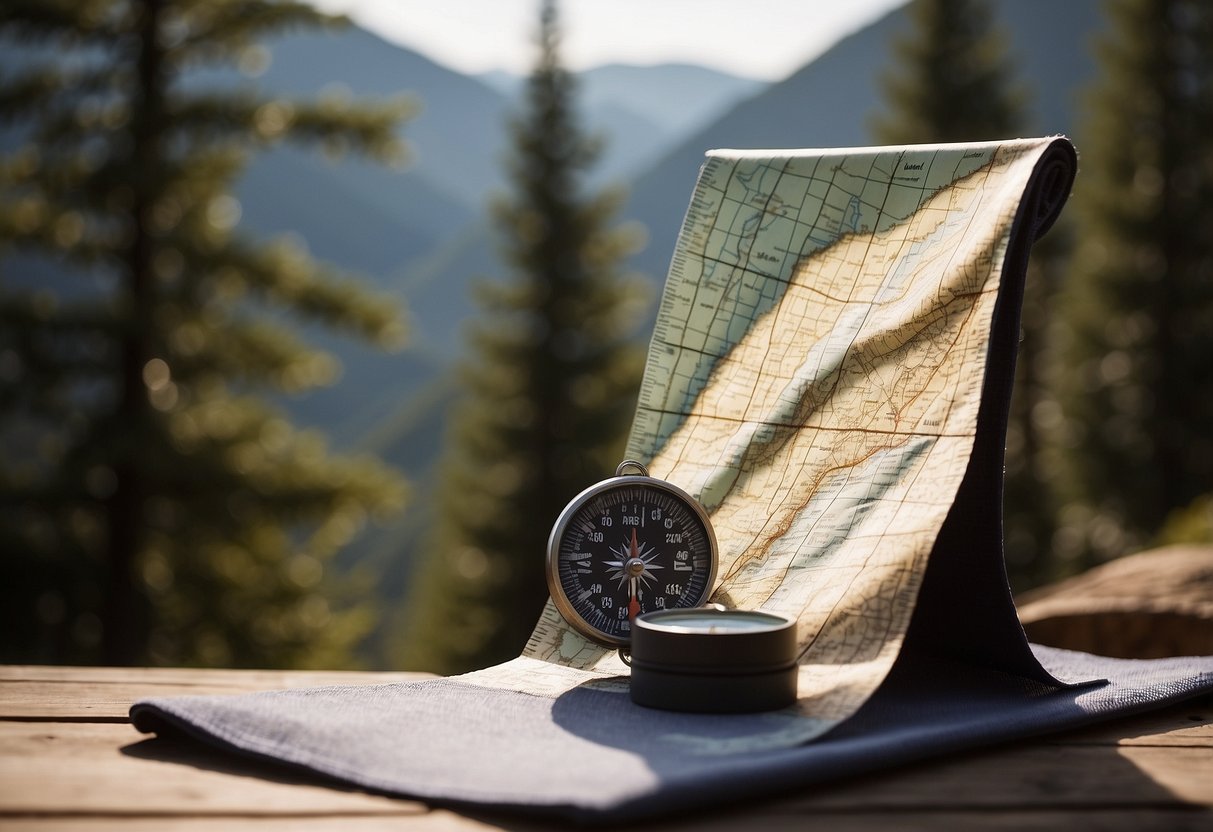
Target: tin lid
[(711, 641)]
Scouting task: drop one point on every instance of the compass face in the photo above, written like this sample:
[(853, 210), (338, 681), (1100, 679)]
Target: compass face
[(627, 546)]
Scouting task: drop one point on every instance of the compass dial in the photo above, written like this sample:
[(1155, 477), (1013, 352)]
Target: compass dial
[(627, 546)]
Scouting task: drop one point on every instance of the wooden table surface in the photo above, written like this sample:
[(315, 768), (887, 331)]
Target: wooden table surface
[(69, 759)]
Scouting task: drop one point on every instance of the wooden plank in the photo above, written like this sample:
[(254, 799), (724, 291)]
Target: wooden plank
[(1188, 723), (1154, 770), (758, 817), (266, 679), (56, 768), (110, 769), (1033, 776), (1186, 773), (106, 694), (1009, 819), (432, 822)]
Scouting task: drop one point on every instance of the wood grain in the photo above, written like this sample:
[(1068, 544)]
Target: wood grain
[(110, 769), (47, 768), (106, 694), (67, 762), (1012, 820)]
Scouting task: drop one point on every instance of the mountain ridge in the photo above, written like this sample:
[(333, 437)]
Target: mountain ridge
[(422, 235), (844, 82)]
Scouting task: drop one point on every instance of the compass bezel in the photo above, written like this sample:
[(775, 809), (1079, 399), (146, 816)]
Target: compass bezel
[(552, 567)]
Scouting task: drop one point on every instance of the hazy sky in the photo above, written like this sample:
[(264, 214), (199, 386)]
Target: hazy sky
[(756, 38)]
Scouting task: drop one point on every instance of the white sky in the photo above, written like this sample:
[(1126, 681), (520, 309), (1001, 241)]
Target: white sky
[(766, 39)]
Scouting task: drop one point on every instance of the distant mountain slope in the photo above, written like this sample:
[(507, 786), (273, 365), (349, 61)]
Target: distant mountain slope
[(456, 136), (642, 111), (829, 103), (422, 234), (679, 97), (672, 99), (367, 218), (286, 190), (632, 108)]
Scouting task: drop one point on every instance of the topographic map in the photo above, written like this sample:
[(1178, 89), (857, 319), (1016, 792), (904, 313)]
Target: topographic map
[(830, 375), (814, 380)]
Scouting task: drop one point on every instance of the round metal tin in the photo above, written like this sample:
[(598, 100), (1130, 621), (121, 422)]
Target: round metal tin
[(709, 660)]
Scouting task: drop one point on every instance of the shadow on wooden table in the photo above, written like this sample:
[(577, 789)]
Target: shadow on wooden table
[(178, 747)]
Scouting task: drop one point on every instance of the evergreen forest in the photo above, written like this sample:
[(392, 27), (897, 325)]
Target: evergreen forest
[(224, 442)]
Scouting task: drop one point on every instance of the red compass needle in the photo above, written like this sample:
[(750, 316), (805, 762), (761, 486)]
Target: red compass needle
[(634, 603)]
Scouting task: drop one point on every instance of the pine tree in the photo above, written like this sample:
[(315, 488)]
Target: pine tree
[(953, 80), (1030, 498), (153, 506), (548, 393), (1138, 386), (955, 83)]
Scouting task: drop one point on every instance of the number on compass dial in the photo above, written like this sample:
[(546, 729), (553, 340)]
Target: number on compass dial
[(635, 546)]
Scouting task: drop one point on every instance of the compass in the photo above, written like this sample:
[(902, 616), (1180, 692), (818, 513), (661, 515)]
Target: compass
[(626, 546)]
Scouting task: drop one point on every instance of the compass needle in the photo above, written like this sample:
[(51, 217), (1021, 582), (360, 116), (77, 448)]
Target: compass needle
[(620, 533)]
